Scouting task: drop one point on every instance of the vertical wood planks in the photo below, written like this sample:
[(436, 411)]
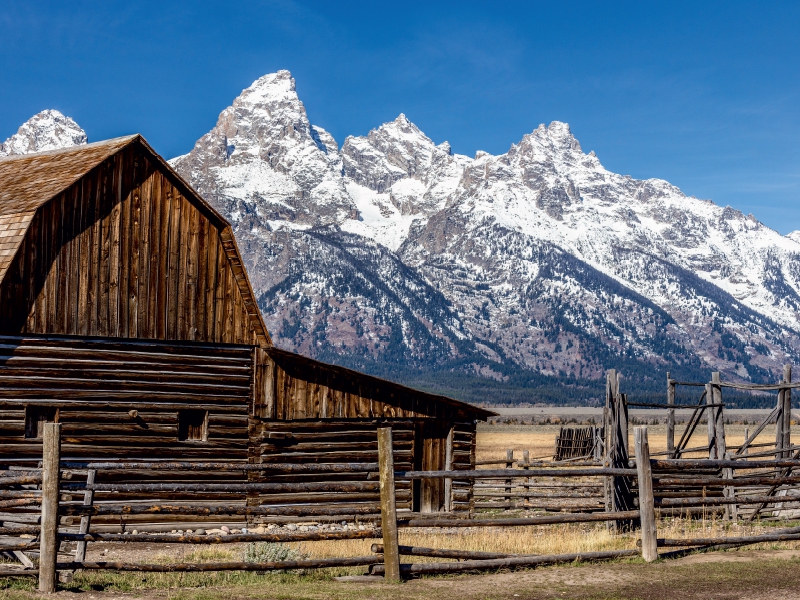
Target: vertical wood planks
[(448, 466), (670, 417), (123, 253)]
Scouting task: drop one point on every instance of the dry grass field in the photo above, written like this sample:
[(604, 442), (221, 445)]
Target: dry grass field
[(494, 440)]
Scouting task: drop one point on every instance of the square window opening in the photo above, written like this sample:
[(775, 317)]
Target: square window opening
[(193, 425), (36, 417)]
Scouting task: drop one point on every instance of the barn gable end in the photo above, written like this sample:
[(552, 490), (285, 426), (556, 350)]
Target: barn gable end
[(124, 250)]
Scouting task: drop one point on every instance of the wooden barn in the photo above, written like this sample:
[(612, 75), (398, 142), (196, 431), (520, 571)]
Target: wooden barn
[(126, 315)]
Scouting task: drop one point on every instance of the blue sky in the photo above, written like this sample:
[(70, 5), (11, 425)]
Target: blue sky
[(703, 94)]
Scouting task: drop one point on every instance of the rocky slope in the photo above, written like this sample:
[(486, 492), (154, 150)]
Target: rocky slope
[(537, 268)]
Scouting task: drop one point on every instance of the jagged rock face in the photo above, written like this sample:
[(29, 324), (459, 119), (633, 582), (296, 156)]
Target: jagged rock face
[(395, 252), (543, 258), (264, 164), (48, 130)]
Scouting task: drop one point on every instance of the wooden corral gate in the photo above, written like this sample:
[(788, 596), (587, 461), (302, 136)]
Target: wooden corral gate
[(126, 314), (578, 442)]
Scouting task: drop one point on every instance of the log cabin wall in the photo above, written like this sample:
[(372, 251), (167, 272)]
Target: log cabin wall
[(127, 251), (126, 399), (355, 441), (309, 412)]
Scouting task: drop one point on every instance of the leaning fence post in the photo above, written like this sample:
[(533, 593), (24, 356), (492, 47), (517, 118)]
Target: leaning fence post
[(48, 542), (719, 417), (785, 398), (647, 511), (88, 500), (448, 466), (391, 552), (731, 510)]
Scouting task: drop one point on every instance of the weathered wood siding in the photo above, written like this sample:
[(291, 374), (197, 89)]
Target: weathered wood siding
[(123, 253), (430, 451)]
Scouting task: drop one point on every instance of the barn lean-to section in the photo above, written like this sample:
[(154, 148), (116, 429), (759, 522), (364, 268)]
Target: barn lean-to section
[(126, 314)]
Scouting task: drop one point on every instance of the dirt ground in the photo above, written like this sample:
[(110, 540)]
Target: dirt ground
[(748, 575)]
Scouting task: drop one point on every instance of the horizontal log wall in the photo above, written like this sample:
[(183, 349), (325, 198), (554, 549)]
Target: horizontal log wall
[(123, 253), (95, 384), (354, 441)]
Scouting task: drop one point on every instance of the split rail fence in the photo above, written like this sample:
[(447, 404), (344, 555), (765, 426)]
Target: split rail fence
[(653, 480)]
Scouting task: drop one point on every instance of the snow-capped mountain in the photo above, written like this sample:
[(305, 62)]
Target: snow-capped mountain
[(539, 258), (394, 255), (47, 130)]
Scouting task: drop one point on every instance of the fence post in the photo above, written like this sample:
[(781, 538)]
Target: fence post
[(448, 466), (391, 552), (719, 417), (48, 548), (509, 482), (785, 398), (619, 496), (731, 510), (647, 511), (526, 487), (670, 417)]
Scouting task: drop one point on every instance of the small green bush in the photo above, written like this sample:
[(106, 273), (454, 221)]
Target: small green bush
[(261, 552)]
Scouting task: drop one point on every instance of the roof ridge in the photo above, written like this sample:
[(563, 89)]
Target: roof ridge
[(79, 148)]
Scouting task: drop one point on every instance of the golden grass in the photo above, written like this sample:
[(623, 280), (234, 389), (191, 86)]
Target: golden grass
[(493, 441), (544, 539)]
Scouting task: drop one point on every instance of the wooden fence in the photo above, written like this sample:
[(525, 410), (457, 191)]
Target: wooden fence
[(662, 486)]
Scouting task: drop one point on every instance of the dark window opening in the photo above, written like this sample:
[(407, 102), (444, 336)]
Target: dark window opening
[(36, 417), (192, 425)]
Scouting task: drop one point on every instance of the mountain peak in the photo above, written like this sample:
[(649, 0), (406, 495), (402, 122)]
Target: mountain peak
[(47, 130), (270, 88)]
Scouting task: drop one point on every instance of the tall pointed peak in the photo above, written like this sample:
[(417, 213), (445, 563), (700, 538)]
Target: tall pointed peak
[(269, 88), (47, 130)]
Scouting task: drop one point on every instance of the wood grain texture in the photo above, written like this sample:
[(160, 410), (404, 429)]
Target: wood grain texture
[(126, 251)]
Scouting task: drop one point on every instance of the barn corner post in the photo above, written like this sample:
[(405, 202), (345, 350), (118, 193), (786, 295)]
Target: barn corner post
[(48, 549), (647, 513), (391, 551)]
